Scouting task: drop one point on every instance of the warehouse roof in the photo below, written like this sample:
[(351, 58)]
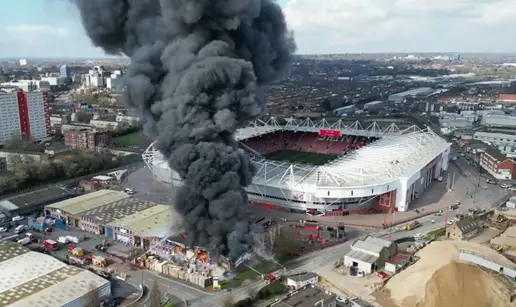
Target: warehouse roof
[(308, 297), (361, 256), (504, 241), (414, 92), (155, 221), (89, 201), (367, 246), (33, 279), (379, 241), (510, 232), (38, 197), (118, 210)]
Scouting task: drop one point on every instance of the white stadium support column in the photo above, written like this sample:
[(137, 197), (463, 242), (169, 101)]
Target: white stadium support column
[(401, 196), (445, 159), (438, 168)]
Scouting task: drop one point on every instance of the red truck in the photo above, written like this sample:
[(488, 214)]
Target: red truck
[(50, 244)]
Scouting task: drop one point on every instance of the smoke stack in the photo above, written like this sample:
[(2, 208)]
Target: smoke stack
[(198, 71)]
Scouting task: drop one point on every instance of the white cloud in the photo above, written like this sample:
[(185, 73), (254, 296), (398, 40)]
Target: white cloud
[(25, 30), (401, 25)]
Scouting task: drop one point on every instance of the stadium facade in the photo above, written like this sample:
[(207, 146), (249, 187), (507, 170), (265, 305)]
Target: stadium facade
[(369, 170)]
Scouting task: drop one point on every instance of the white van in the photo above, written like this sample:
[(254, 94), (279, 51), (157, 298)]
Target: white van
[(19, 229), (129, 191), (24, 241)]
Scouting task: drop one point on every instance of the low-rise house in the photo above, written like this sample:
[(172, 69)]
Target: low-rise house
[(464, 229), (300, 280), (369, 254)]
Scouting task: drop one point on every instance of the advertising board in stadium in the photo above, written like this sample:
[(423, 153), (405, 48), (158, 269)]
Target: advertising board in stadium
[(330, 133)]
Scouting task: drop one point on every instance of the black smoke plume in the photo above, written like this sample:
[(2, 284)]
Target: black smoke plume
[(198, 71)]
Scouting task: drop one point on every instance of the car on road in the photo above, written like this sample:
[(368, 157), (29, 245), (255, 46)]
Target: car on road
[(505, 186), (3, 229), (491, 181), (17, 218), (342, 299)]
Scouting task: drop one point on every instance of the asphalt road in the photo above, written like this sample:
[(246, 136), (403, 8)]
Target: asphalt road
[(170, 287)]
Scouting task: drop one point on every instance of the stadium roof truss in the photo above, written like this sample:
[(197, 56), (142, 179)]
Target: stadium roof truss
[(397, 153)]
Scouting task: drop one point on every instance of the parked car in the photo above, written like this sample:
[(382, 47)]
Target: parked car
[(3, 229), (17, 218)]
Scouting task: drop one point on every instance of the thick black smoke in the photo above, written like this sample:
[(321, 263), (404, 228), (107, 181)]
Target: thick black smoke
[(197, 74)]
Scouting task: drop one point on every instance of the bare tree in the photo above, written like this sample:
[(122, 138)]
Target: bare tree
[(83, 117), (93, 297), (155, 297), (274, 232)]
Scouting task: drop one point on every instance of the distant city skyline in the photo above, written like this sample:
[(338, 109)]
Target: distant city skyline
[(51, 29)]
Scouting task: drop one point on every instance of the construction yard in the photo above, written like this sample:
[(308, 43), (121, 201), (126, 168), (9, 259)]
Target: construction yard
[(308, 236), (438, 279)]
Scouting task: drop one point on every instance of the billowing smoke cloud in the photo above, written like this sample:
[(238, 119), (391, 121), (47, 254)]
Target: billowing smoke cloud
[(197, 74)]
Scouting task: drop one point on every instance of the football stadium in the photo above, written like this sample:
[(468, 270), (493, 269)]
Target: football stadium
[(324, 168)]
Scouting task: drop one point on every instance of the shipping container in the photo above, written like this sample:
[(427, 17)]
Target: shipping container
[(37, 224)]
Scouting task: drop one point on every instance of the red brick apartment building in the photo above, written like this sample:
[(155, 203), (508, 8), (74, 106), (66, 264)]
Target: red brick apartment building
[(87, 139), (507, 98), (497, 164)]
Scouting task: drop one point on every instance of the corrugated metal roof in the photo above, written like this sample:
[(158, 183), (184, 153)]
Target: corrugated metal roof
[(155, 221), (77, 205), (379, 241), (368, 246), (361, 256)]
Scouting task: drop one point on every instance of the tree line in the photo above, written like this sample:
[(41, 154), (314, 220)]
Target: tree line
[(26, 172)]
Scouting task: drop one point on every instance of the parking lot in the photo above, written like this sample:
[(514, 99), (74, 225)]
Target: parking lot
[(88, 241)]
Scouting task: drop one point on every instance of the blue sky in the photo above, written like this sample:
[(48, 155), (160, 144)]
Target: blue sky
[(51, 28)]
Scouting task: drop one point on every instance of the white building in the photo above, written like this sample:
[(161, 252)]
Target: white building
[(24, 85), (55, 81), (499, 121), (46, 281), (373, 105), (343, 111), (301, 280), (506, 143), (389, 173), (56, 120), (9, 118), (127, 118), (370, 254), (23, 62), (104, 124)]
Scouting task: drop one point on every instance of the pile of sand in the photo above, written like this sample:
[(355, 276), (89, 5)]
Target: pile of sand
[(462, 284), (409, 287)]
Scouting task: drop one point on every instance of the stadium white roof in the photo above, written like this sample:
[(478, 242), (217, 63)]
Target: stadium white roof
[(398, 153), (33, 279)]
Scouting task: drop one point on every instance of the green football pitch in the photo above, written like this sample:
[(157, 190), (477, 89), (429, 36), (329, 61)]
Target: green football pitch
[(301, 157)]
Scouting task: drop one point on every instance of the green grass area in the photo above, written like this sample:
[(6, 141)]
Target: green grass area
[(434, 234), (301, 157), (170, 303), (244, 273), (131, 139)]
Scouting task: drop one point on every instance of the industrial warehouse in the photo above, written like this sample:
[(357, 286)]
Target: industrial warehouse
[(117, 216), (35, 279), (333, 169)]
